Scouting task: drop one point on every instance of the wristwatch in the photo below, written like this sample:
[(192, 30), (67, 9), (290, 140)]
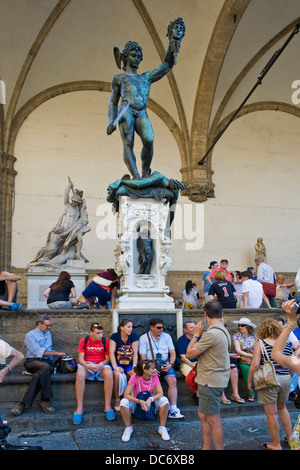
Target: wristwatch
[(196, 337)]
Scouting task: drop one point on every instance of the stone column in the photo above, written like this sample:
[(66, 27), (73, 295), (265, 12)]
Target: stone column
[(7, 188)]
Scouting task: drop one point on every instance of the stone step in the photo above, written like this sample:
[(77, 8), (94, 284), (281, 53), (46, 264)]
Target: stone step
[(34, 421)]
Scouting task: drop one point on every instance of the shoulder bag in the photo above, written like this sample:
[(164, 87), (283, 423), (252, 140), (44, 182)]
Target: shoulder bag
[(265, 376)]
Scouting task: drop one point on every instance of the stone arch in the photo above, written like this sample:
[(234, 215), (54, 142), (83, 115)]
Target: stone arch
[(69, 87)]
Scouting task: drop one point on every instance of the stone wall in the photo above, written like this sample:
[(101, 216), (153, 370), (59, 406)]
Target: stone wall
[(68, 327)]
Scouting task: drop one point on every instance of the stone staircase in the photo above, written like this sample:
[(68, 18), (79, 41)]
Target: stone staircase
[(33, 420)]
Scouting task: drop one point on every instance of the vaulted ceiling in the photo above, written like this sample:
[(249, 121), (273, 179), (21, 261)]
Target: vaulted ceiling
[(49, 47)]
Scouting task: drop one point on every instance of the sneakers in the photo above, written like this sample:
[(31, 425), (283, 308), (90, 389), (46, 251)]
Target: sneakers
[(83, 305), (162, 430), (18, 409), (175, 413), (127, 434), (47, 407)]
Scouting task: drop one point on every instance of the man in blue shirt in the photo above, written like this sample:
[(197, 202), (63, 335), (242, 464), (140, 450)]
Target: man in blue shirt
[(184, 364), (38, 362)]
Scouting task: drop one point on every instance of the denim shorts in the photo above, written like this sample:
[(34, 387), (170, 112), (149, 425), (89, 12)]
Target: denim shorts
[(94, 290), (125, 368), (60, 304), (93, 375)]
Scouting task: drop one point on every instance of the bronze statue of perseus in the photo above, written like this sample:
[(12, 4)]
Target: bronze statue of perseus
[(129, 97)]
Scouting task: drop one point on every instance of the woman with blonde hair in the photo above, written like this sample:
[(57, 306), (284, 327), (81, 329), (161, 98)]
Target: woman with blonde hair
[(273, 399)]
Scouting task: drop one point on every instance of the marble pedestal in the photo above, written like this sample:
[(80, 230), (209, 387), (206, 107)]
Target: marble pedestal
[(143, 291), (39, 278)]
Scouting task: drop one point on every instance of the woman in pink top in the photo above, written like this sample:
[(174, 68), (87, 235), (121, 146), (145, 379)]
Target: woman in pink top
[(144, 379)]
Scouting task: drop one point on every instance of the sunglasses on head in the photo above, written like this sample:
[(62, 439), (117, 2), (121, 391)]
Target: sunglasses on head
[(97, 325)]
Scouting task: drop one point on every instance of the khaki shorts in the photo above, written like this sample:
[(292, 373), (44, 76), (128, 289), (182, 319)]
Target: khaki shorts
[(276, 394), (209, 400)]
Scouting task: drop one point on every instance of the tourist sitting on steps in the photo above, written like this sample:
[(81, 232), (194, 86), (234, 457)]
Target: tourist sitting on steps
[(93, 363), (9, 290), (144, 379)]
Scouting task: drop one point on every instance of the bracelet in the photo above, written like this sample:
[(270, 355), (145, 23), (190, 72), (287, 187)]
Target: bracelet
[(9, 368), (290, 326)]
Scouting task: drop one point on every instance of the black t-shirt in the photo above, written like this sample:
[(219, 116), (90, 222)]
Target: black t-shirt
[(224, 291), (62, 294), (2, 287)]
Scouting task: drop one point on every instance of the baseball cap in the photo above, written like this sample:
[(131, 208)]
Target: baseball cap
[(212, 263)]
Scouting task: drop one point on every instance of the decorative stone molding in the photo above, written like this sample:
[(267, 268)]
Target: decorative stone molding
[(143, 290)]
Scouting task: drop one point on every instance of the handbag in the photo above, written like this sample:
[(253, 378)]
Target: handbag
[(67, 365), (190, 379), (124, 354), (295, 439), (265, 376), (141, 414), (269, 289), (122, 383)]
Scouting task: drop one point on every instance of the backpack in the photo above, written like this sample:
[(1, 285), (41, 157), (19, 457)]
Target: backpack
[(139, 413), (87, 338)]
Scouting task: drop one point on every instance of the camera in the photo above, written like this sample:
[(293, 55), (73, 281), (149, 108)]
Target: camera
[(296, 308)]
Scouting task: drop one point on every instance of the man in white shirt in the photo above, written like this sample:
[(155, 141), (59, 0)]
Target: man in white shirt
[(252, 290), (266, 274), (159, 346)]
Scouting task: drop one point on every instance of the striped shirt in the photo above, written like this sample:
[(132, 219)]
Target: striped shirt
[(279, 369)]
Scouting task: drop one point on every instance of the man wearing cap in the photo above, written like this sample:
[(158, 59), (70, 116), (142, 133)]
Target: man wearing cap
[(250, 268), (207, 281), (223, 267), (252, 290)]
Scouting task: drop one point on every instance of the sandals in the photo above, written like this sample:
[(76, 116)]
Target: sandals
[(237, 400), (226, 402), (251, 398)]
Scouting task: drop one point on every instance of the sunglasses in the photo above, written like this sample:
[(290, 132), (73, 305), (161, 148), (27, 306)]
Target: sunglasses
[(159, 327), (97, 325), (242, 325)]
